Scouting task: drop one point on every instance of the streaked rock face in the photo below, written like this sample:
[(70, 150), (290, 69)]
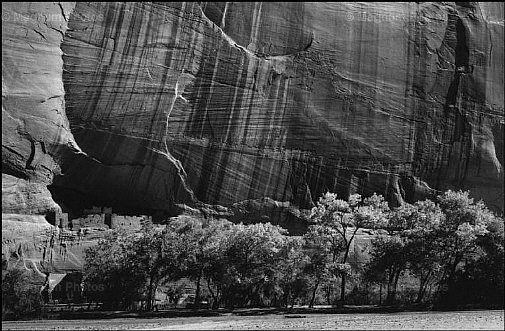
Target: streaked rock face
[(219, 103), (35, 128)]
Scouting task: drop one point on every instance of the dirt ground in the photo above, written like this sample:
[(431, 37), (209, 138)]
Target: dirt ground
[(463, 320)]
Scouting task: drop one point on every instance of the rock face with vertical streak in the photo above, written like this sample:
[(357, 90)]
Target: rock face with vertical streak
[(236, 104), (35, 129)]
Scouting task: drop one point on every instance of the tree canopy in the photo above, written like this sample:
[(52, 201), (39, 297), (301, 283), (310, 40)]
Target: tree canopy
[(440, 245)]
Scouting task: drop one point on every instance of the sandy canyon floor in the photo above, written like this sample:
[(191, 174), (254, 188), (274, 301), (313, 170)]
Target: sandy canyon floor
[(462, 320)]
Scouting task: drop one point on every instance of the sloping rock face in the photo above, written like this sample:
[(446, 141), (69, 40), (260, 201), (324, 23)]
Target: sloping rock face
[(30, 243), (35, 128), (220, 103), (23, 197)]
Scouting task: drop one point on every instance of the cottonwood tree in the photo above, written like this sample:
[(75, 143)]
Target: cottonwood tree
[(418, 225), (293, 280), (322, 245), (252, 255), (202, 241), (389, 253), (465, 221), (191, 235), (21, 296), (372, 273), (465, 227), (215, 260), (485, 274), (146, 257), (389, 261), (108, 275), (127, 267), (346, 218)]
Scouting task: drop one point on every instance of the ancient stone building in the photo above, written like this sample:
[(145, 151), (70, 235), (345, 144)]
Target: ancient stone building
[(58, 219), (104, 218), (95, 220), (128, 222)]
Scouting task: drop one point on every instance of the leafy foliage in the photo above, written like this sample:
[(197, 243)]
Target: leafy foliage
[(464, 223), (110, 275), (251, 256), (444, 245), (336, 223), (20, 294)]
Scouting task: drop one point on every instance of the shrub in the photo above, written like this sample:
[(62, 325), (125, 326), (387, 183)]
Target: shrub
[(20, 294)]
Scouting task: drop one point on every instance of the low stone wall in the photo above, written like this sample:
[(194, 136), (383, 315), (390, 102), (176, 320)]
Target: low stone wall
[(128, 222), (96, 220)]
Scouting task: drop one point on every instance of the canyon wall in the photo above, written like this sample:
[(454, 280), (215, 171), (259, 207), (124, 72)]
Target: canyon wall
[(35, 128), (226, 102), (251, 108)]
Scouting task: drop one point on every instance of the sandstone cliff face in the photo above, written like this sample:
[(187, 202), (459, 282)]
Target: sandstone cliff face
[(29, 242), (35, 129), (145, 106), (224, 102)]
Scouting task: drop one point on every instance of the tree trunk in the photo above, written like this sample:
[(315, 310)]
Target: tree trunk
[(218, 298), (287, 298), (346, 255), (215, 303), (342, 290), (293, 299), (422, 286), (367, 286), (329, 291), (395, 285), (197, 293), (149, 303), (420, 292), (389, 290), (380, 294), (311, 304), (454, 265)]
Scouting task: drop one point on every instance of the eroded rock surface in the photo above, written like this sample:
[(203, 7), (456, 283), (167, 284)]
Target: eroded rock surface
[(35, 128), (29, 242), (226, 102), (256, 107), (21, 196)]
